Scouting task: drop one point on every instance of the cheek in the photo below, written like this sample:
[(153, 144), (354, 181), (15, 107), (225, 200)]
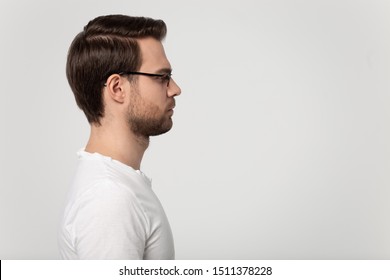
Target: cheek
[(157, 99), (153, 91), (148, 108)]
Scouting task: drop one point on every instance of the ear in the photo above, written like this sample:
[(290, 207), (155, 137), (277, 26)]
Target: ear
[(115, 87)]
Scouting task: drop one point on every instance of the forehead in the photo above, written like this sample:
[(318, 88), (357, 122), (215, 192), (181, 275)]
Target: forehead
[(153, 55)]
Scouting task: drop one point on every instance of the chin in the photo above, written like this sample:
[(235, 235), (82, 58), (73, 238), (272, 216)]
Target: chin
[(163, 129)]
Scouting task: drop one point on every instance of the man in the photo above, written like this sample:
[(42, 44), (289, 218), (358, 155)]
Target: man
[(121, 79)]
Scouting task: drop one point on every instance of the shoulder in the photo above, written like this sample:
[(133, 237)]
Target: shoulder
[(106, 200), (109, 194)]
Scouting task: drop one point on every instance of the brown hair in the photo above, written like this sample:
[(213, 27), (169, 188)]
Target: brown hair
[(106, 46)]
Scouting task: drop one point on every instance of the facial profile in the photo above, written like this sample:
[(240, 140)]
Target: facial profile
[(152, 100)]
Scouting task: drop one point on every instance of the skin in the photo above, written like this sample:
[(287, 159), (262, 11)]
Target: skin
[(135, 111)]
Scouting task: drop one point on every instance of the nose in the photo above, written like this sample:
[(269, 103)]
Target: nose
[(173, 89)]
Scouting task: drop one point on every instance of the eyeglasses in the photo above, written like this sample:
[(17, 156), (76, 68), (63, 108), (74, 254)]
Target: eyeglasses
[(165, 78)]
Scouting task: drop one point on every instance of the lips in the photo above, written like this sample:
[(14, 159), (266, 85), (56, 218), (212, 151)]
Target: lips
[(172, 106)]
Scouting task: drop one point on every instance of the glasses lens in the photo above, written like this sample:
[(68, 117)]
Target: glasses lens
[(168, 78)]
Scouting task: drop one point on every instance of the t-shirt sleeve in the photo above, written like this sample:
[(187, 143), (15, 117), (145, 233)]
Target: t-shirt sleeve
[(110, 224)]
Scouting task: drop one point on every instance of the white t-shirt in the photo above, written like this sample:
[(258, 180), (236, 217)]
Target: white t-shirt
[(112, 213)]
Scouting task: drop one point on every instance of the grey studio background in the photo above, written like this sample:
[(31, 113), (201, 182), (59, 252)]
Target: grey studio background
[(281, 140)]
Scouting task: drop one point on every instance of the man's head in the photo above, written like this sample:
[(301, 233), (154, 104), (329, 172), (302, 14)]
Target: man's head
[(106, 69)]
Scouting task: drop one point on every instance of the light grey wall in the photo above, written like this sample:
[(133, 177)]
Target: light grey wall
[(281, 142)]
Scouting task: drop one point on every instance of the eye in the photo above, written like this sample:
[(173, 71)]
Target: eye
[(165, 78)]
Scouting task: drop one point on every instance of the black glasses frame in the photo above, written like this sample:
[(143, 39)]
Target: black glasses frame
[(166, 76)]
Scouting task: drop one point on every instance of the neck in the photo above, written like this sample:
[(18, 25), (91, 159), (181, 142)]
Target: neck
[(119, 143)]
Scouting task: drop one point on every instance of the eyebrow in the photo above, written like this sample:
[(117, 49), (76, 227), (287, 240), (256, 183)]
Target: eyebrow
[(164, 71)]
